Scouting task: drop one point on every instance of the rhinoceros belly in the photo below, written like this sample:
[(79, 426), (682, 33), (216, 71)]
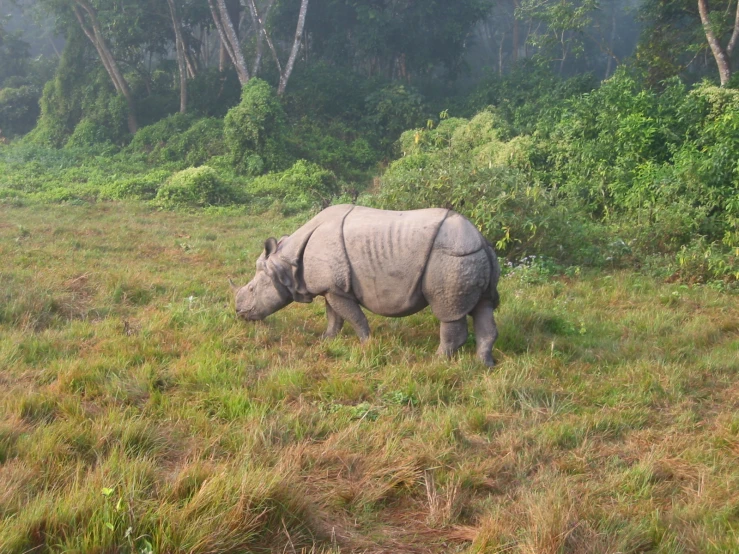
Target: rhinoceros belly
[(387, 253)]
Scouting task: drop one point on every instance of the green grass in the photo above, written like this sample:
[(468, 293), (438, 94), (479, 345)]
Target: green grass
[(137, 414)]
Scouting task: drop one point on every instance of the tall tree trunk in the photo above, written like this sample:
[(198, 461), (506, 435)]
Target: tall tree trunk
[(274, 51), (735, 34), (222, 56), (613, 38), (564, 53), (260, 22), (106, 57), (229, 39), (191, 61), (515, 32), (180, 47), (500, 54), (296, 46), (719, 54)]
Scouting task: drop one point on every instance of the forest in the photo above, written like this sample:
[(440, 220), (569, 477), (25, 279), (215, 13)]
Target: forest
[(582, 132), (149, 147)]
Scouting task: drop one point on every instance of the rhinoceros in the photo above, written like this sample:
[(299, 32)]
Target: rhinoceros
[(392, 263)]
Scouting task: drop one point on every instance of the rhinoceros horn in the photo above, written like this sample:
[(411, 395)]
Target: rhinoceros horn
[(234, 286)]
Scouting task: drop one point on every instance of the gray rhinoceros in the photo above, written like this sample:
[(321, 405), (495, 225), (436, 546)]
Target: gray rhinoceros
[(392, 263)]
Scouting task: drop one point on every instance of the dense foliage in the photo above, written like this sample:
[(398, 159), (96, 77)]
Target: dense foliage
[(614, 175), (546, 159)]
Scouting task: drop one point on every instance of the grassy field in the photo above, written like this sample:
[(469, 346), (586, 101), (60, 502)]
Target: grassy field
[(138, 415)]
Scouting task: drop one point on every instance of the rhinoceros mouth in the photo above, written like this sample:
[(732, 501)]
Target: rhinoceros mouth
[(248, 315)]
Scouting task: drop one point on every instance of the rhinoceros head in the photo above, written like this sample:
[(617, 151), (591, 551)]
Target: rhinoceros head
[(264, 294)]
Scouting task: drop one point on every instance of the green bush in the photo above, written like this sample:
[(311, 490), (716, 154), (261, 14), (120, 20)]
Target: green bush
[(616, 175), (140, 187), (486, 127), (336, 147), (328, 93), (180, 138), (213, 92), (702, 262), (305, 185), (157, 135), (392, 110), (519, 216), (529, 96), (106, 122), (89, 132), (255, 131), (19, 110), (195, 187)]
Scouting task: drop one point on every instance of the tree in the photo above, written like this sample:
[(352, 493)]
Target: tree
[(87, 17), (399, 39), (222, 17), (565, 23), (181, 56), (14, 54), (721, 55), (224, 21), (285, 75)]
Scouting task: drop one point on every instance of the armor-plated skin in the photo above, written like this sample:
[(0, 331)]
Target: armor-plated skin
[(392, 263)]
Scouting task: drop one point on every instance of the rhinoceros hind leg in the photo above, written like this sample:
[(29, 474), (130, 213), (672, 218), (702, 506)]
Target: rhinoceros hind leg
[(349, 310), (485, 330), (335, 322), (453, 335)]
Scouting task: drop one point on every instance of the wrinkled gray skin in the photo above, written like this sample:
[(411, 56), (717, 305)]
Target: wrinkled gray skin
[(392, 263)]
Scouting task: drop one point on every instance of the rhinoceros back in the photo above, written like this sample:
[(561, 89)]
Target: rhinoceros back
[(387, 253), (458, 237)]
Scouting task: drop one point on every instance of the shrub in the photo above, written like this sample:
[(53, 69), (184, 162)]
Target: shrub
[(303, 186), (18, 109), (155, 136), (107, 122), (392, 110), (213, 92), (431, 139), (255, 131), (701, 262), (528, 96), (89, 133), (140, 187), (486, 127), (180, 138), (194, 187), (336, 147), (519, 217), (328, 93)]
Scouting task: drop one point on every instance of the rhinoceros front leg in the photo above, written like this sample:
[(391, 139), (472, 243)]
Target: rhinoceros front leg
[(453, 335), (349, 310), (335, 322), (486, 332)]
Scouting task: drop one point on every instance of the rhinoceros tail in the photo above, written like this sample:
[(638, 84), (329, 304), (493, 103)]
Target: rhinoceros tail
[(494, 275)]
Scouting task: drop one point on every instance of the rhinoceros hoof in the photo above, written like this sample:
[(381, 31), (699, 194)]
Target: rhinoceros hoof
[(488, 360)]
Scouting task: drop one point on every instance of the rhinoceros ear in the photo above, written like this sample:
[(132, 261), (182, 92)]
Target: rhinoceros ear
[(270, 247), (290, 277)]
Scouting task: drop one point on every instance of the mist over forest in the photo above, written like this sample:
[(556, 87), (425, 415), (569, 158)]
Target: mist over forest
[(612, 111)]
